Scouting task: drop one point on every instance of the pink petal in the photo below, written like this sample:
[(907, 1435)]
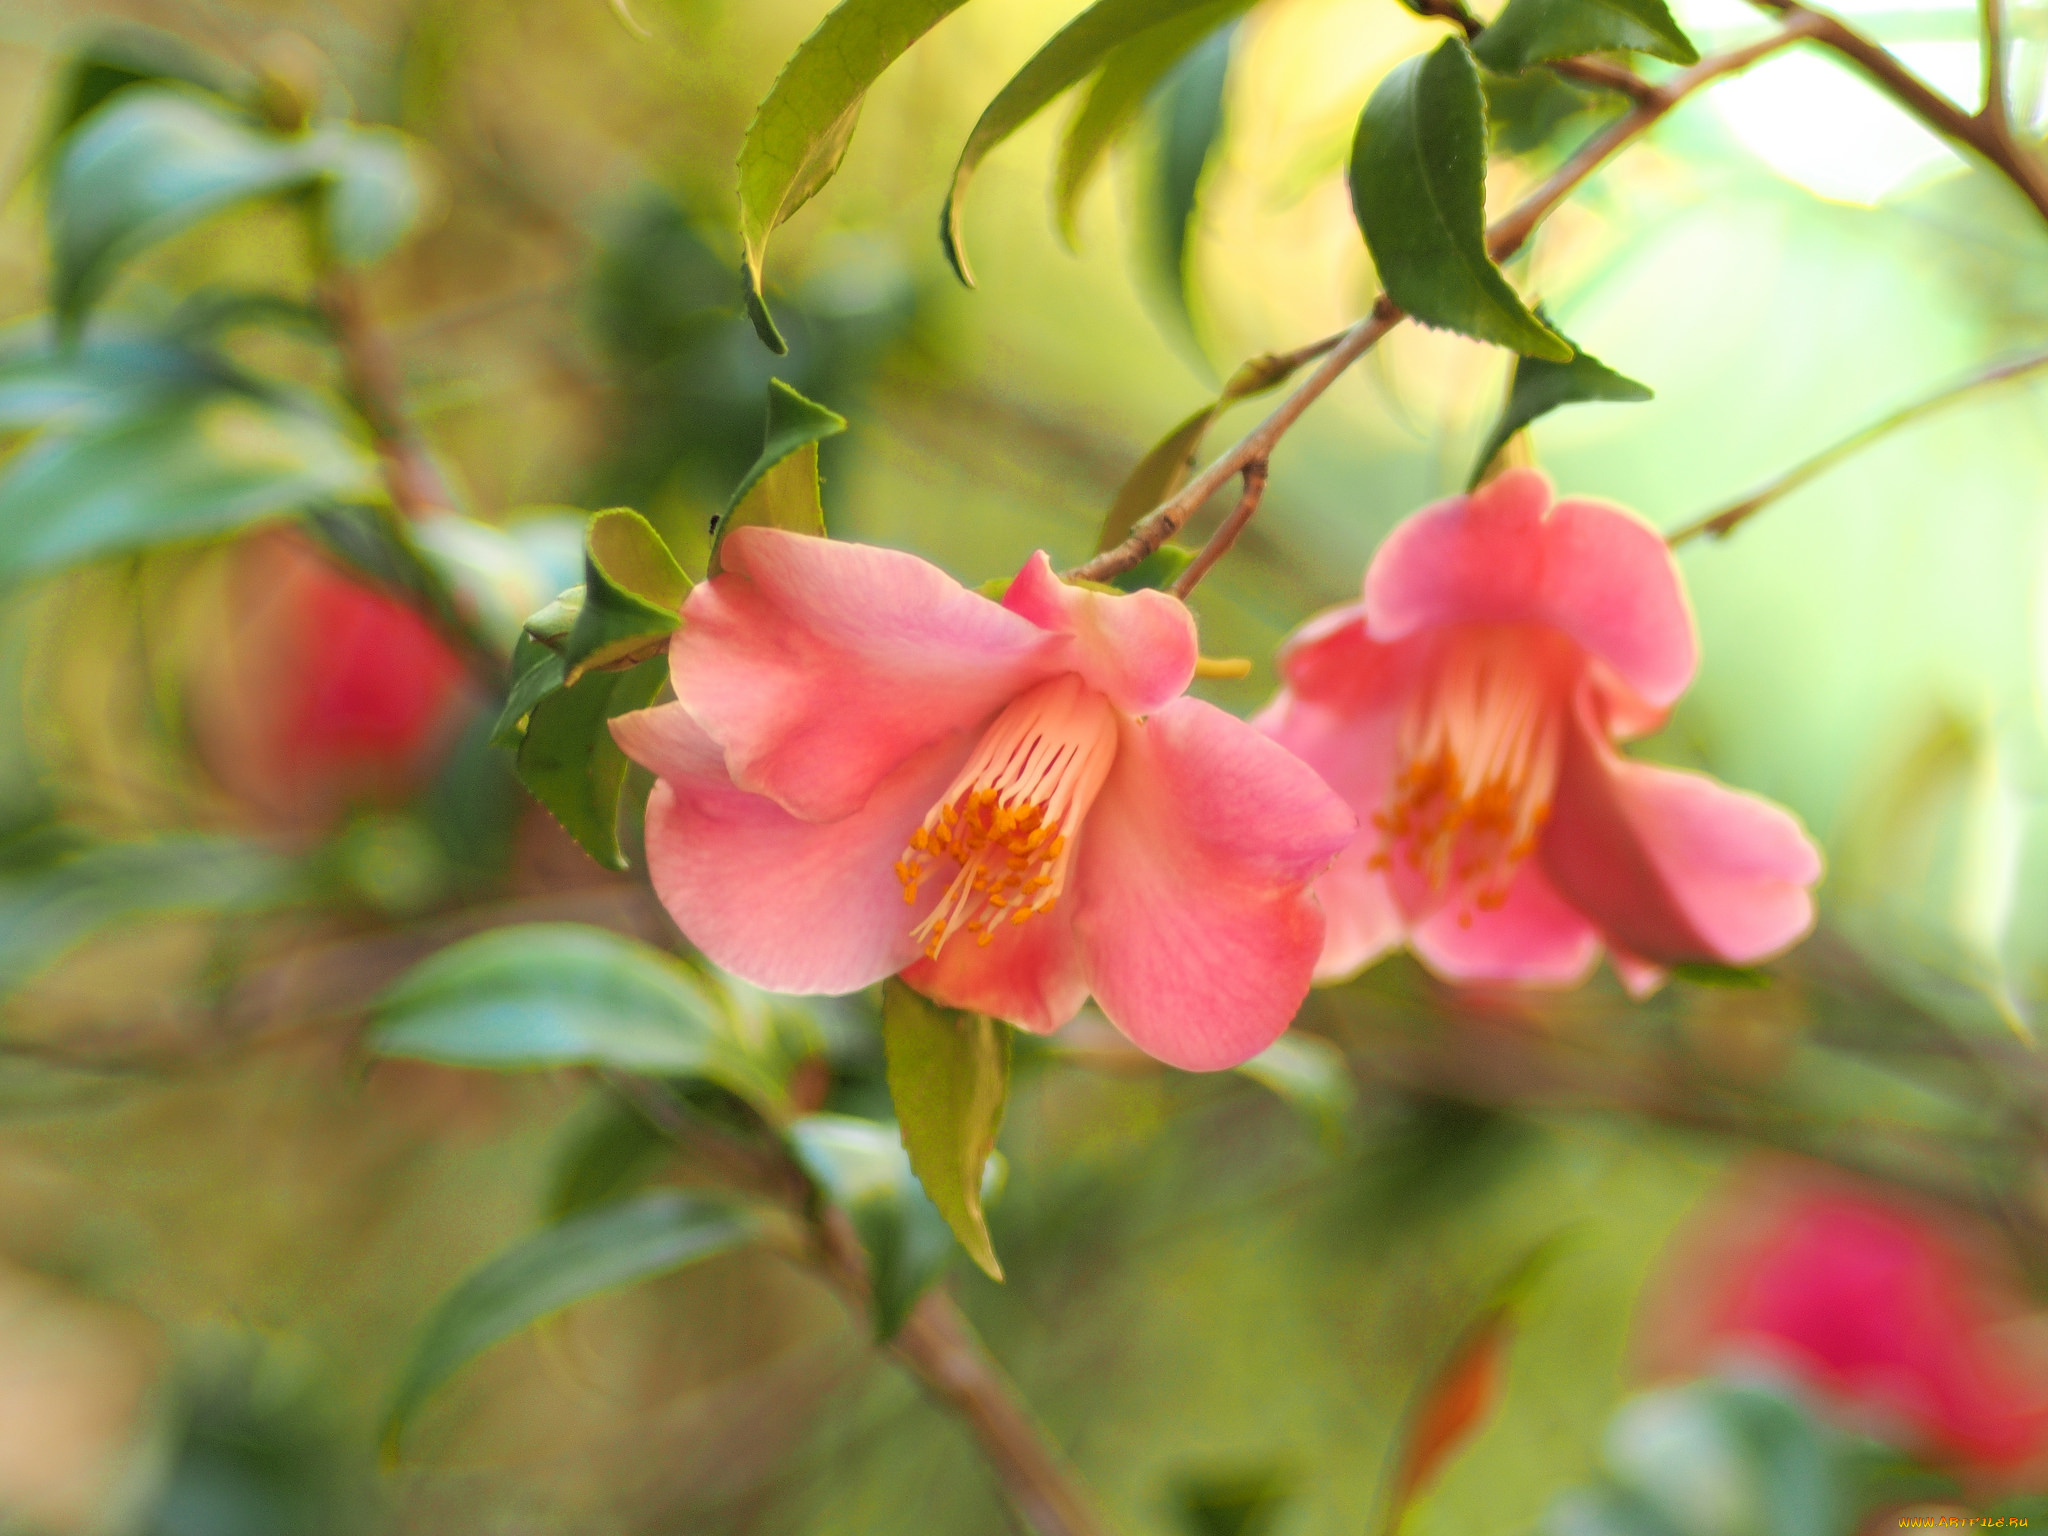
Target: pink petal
[(1191, 900), (1353, 752), (818, 666), (1638, 977), (1593, 571), (1532, 938), (1673, 866), (1028, 974), (1137, 648), (793, 906)]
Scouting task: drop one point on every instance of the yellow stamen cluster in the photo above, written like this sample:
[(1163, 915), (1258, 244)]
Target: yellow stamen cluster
[(1035, 772), (1478, 755)]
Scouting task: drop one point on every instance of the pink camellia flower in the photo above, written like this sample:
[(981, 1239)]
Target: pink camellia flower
[(870, 769), (1905, 1320), (1466, 709)]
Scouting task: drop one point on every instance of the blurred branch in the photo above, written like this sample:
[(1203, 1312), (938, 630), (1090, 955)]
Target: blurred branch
[(1994, 108), (1225, 536), (1985, 132), (370, 370), (1507, 236), (936, 1341), (1724, 522)]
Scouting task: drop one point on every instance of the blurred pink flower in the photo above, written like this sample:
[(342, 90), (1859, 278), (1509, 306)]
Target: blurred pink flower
[(871, 769), (1466, 709), (1905, 1318)]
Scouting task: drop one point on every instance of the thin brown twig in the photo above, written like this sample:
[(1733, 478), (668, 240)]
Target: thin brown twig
[(1988, 135), (1507, 236), (1725, 521), (371, 372), (1225, 536), (936, 1341), (1994, 109)]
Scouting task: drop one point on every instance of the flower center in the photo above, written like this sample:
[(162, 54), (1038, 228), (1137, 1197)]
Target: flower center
[(1477, 755), (1009, 821)]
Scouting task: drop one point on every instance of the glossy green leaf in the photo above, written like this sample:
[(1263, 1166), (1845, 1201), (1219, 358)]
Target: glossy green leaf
[(862, 1168), (1127, 77), (569, 762), (605, 1250), (537, 672), (1418, 187), (1070, 57), (1312, 1076), (1534, 31), (156, 160), (46, 909), (633, 592), (1528, 111), (802, 127), (542, 995), (949, 1078), (195, 467), (1190, 116), (1165, 468), (781, 489), (609, 1153), (1539, 387)]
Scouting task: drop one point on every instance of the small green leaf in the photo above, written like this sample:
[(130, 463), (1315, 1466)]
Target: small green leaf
[(862, 1168), (781, 489), (1539, 387), (156, 160), (1311, 1075), (1127, 77), (543, 995), (552, 624), (1525, 112), (46, 909), (1165, 468), (1740, 977), (123, 56), (1064, 62), (802, 127), (607, 1249), (101, 380), (633, 592), (1418, 186), (536, 673), (610, 1152), (1157, 571), (569, 762), (1535, 31), (949, 1077), (196, 466)]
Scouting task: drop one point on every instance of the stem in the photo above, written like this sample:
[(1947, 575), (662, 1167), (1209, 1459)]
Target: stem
[(1506, 237), (370, 369), (1987, 134), (936, 1341), (1225, 536), (1587, 69), (1994, 110), (1724, 522)]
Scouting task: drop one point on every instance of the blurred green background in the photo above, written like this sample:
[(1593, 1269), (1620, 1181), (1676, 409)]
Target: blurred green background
[(220, 1229)]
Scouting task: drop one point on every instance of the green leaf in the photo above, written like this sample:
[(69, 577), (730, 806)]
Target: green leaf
[(1164, 469), (802, 127), (949, 1077), (552, 624), (196, 466), (98, 381), (1311, 1075), (1740, 977), (606, 1250), (1539, 387), (156, 160), (1190, 116), (1127, 77), (49, 908), (123, 56), (862, 1168), (1073, 53), (543, 995), (1772, 1467), (1157, 571), (1535, 31), (610, 1152), (633, 593), (781, 489), (1527, 111), (1418, 186), (569, 762), (1243, 1501), (537, 672)]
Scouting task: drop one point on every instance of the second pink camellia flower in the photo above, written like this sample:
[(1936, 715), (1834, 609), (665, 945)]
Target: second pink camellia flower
[(871, 770), (1466, 709)]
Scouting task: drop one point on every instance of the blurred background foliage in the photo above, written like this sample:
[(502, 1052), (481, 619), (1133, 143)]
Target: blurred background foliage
[(243, 791)]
